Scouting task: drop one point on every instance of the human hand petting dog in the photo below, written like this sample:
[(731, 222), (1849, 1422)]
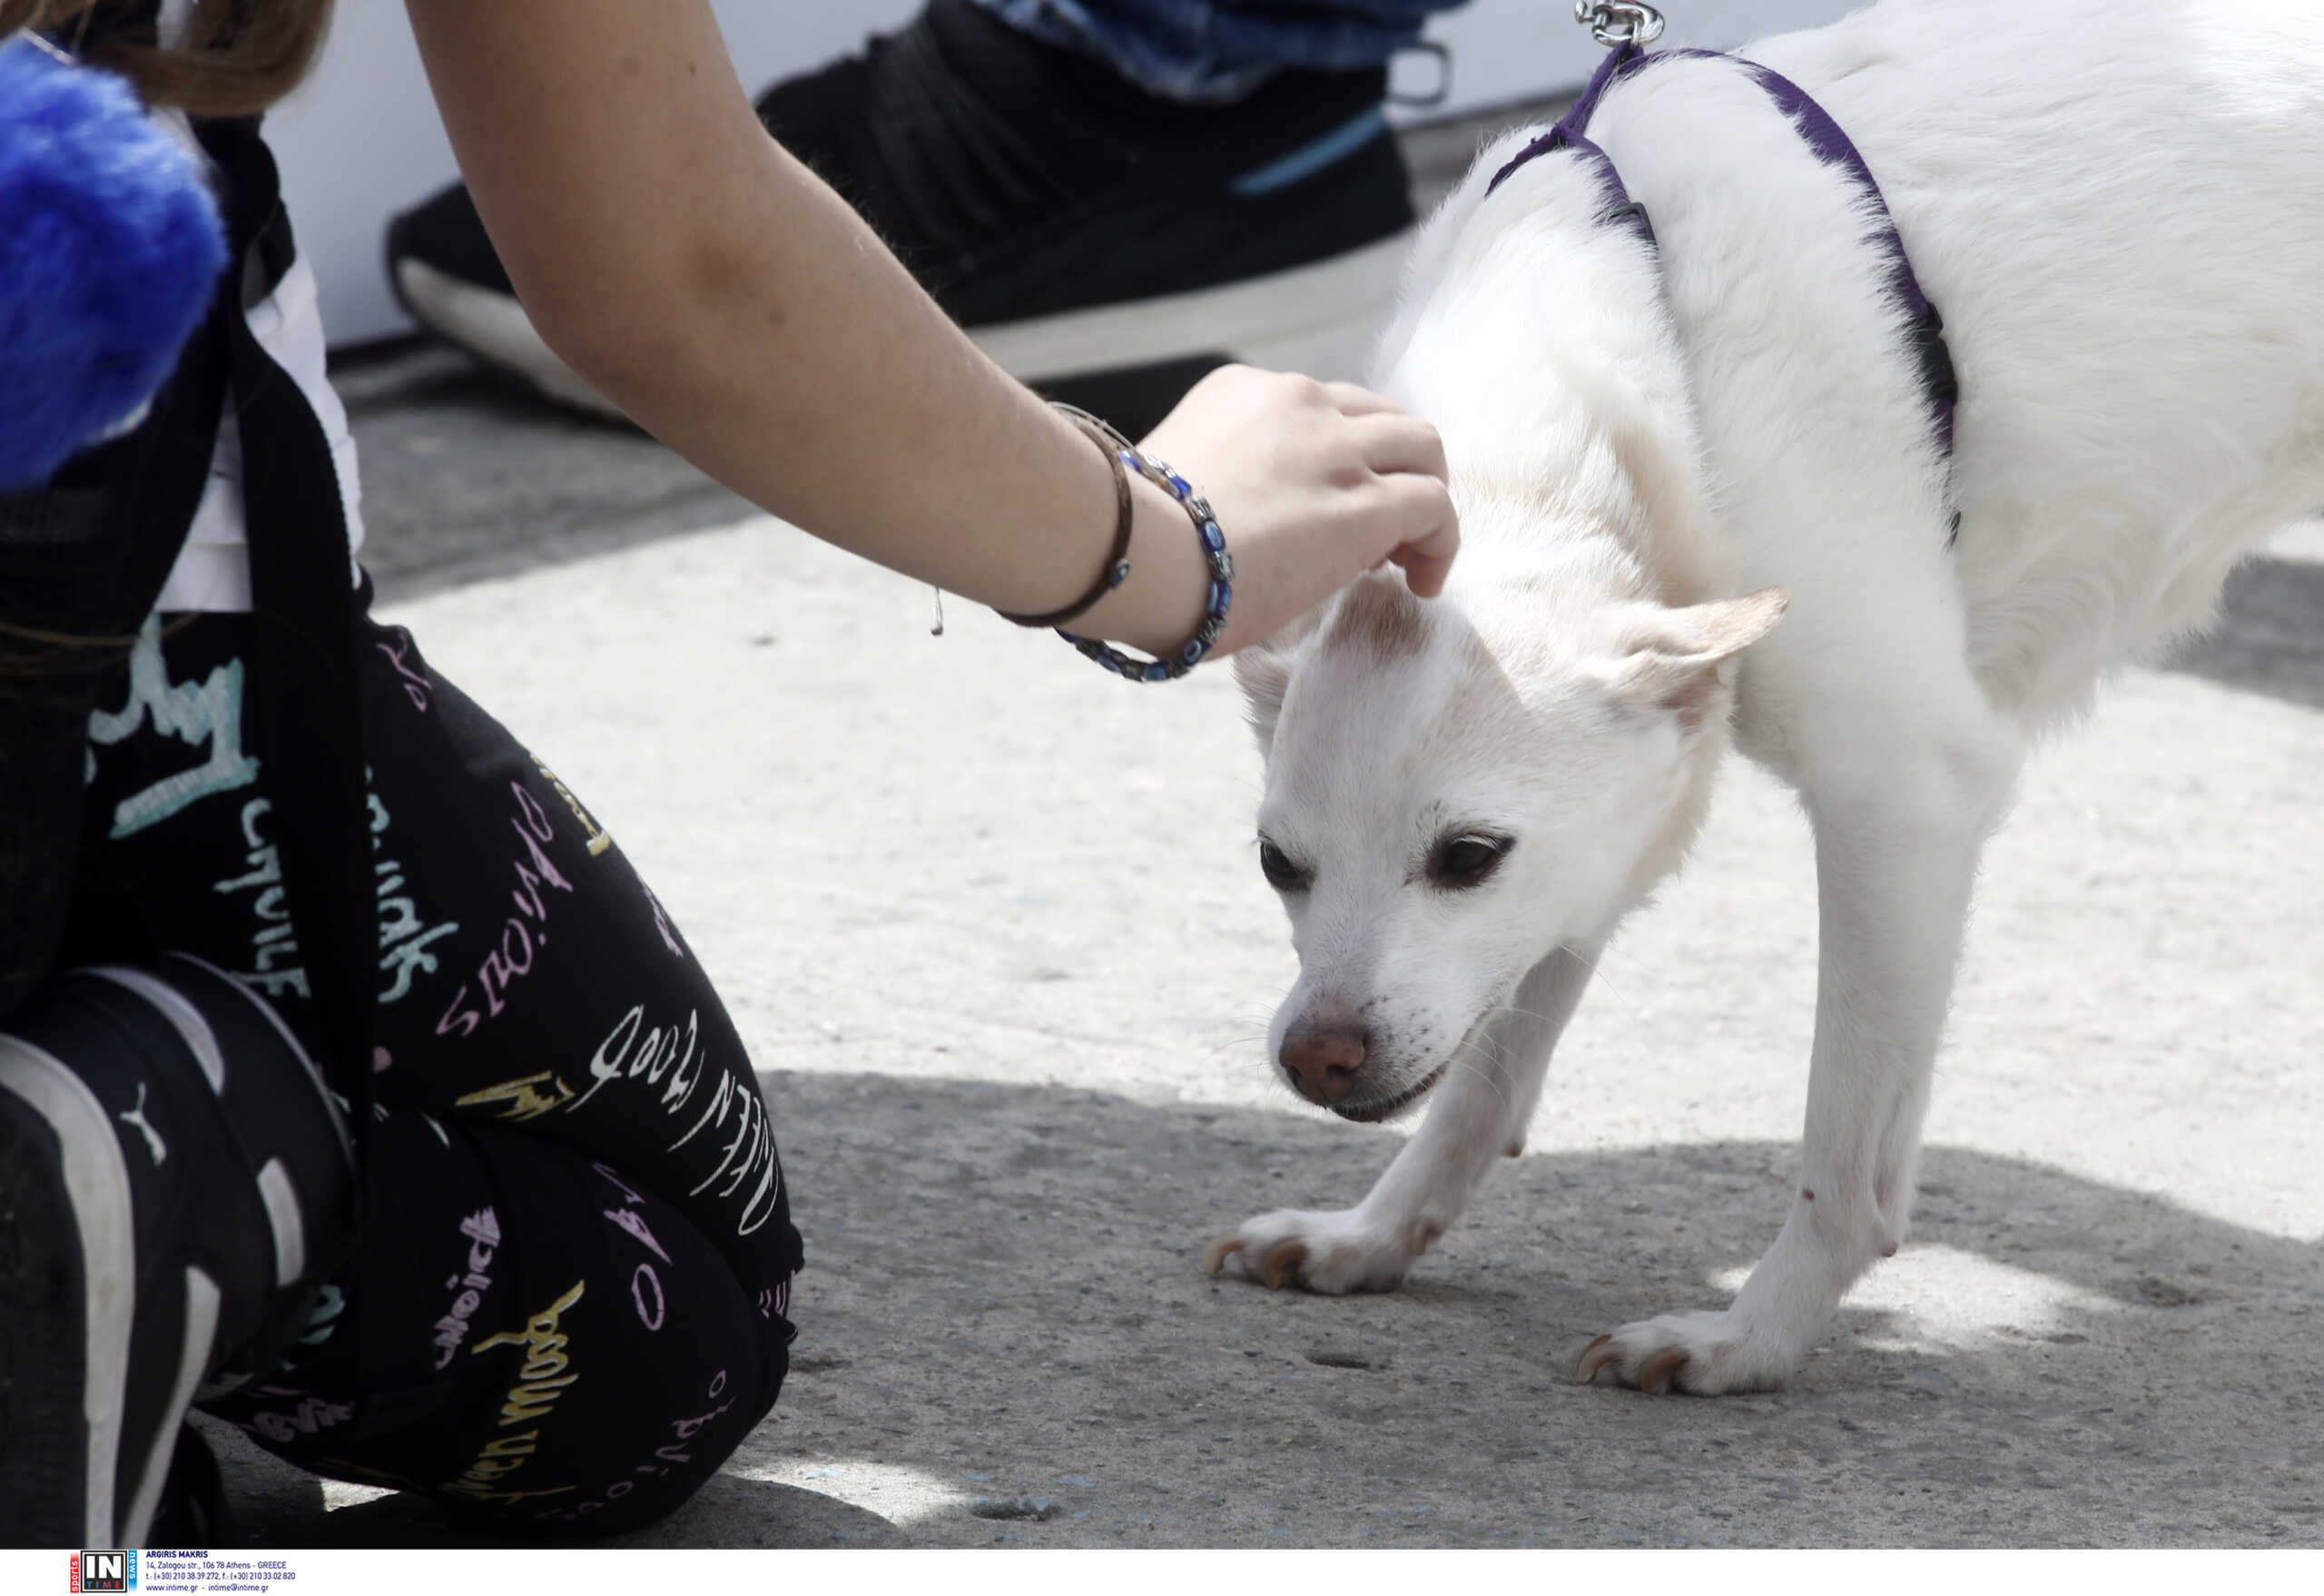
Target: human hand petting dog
[(1314, 483)]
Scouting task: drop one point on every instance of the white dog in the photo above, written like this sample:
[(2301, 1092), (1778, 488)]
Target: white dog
[(2120, 210)]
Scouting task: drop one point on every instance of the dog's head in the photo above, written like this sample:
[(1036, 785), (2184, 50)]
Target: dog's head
[(1455, 788)]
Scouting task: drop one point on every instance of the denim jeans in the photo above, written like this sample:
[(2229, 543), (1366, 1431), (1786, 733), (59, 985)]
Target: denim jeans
[(1222, 49)]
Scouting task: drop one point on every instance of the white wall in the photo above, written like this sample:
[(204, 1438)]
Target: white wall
[(360, 140)]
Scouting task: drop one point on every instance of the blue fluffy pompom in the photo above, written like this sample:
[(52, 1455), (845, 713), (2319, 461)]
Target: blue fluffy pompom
[(109, 246)]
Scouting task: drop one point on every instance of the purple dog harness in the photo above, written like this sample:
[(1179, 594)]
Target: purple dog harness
[(1924, 327)]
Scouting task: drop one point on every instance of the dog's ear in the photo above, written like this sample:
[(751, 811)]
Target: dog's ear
[(1675, 661), (1263, 673)]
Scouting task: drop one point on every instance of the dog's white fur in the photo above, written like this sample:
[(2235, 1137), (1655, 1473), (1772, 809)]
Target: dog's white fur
[(2120, 209)]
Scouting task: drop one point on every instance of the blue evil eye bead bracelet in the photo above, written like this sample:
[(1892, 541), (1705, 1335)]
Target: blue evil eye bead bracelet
[(1190, 654)]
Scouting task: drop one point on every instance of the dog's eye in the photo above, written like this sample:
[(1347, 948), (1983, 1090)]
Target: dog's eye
[(1282, 874), (1467, 859)]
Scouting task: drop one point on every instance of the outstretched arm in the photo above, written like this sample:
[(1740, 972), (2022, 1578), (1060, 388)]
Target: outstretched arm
[(736, 308)]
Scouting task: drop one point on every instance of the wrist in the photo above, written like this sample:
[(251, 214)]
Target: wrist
[(1116, 567), (1161, 603)]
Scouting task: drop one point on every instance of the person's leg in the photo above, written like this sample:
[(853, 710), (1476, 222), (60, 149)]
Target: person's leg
[(548, 1341), (1218, 50), (538, 1013), (175, 1185), (527, 975)]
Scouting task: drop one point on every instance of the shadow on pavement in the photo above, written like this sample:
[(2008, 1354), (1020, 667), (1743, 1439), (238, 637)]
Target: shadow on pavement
[(1004, 1304), (2270, 636)]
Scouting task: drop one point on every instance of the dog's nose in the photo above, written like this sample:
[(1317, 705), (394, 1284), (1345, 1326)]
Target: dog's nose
[(1323, 1063)]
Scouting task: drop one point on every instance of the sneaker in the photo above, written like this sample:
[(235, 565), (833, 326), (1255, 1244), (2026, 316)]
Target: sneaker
[(1072, 222), (174, 1182)]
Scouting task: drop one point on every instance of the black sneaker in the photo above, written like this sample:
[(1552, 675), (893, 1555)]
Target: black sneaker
[(1073, 223), (174, 1182)]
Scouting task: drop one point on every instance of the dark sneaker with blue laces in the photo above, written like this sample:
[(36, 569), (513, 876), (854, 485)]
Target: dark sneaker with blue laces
[(175, 1182), (1072, 222)]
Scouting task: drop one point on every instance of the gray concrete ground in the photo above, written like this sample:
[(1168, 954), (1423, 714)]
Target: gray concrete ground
[(991, 924)]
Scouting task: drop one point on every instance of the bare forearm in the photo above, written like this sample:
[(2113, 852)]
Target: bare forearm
[(730, 303), (857, 410), (736, 308)]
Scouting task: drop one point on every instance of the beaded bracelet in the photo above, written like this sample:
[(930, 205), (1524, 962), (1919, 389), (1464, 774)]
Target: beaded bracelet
[(1221, 574)]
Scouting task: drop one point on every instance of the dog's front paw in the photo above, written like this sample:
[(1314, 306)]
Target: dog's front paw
[(1704, 1353), (1333, 1252)]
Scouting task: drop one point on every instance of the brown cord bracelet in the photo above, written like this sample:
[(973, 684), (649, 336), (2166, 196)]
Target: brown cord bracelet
[(1112, 445)]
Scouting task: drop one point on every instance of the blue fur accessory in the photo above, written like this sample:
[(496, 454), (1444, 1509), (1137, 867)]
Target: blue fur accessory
[(110, 244)]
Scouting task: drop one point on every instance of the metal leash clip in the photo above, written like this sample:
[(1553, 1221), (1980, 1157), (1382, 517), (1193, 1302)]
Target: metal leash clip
[(1619, 22)]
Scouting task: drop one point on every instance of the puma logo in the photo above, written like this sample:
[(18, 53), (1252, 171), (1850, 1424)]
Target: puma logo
[(136, 1117)]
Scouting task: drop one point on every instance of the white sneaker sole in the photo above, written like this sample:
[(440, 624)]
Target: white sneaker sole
[(97, 1186), (1322, 318), (494, 328)]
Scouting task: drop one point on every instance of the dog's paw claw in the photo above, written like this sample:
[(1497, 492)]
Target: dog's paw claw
[(1286, 1258), (1702, 1355), (1329, 1253), (1660, 1370)]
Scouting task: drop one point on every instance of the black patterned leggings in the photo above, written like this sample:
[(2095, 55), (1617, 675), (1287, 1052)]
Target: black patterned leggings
[(569, 1306)]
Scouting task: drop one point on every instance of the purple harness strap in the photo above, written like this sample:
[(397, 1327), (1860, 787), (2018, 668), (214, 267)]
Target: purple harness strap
[(1924, 327)]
